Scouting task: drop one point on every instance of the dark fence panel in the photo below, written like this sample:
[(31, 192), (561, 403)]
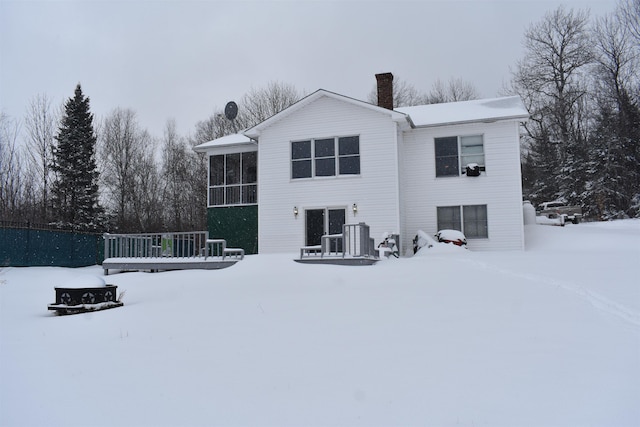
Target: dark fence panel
[(26, 247)]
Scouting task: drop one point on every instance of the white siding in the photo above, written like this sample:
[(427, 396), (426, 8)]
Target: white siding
[(405, 237), (499, 187), (375, 190)]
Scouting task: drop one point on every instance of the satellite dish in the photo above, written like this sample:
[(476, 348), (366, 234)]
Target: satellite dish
[(231, 110)]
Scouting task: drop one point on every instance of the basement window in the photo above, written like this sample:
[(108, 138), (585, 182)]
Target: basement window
[(471, 220)]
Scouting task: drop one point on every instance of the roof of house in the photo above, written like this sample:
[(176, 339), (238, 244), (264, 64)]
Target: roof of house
[(479, 110), (234, 139), (254, 132)]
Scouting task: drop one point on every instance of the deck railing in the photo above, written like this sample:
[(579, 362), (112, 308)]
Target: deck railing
[(357, 240), (218, 248), (354, 242), (332, 244), (152, 245), (190, 244)]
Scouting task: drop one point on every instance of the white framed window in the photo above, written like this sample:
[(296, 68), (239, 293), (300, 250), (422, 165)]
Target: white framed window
[(325, 157), (454, 153), (471, 220), (233, 179)]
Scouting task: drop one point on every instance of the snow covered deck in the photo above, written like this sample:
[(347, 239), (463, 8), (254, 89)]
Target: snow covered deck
[(159, 264), (167, 251), (352, 247)]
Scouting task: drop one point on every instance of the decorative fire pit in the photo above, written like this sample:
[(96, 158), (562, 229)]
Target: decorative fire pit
[(92, 296)]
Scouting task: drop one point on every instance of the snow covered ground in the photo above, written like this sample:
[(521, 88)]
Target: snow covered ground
[(545, 337)]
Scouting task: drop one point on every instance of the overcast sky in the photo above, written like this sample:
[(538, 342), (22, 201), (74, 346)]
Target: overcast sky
[(185, 59)]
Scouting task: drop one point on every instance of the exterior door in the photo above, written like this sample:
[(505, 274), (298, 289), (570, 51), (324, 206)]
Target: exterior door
[(314, 226), (323, 221), (336, 221)]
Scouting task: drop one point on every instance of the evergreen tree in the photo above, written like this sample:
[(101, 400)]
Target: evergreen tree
[(613, 187), (614, 183), (75, 187)]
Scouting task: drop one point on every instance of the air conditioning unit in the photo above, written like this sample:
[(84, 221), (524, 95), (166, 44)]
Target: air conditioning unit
[(473, 169)]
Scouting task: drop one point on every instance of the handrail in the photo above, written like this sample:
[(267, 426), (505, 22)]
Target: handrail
[(218, 247), (184, 244), (332, 244), (357, 240), (354, 241)]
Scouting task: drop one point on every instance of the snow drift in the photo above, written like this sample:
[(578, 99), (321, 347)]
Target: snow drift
[(549, 336)]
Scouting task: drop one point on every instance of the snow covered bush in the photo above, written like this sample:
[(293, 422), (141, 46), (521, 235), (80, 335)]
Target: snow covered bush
[(423, 243), (451, 236)]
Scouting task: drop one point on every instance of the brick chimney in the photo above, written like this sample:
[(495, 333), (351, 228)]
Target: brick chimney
[(385, 90)]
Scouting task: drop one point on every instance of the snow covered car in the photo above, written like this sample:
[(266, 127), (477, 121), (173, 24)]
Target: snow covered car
[(452, 236)]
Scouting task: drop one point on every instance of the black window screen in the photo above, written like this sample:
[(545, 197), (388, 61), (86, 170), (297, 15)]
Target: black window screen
[(233, 169), (349, 155), (446, 156), (216, 170), (249, 168)]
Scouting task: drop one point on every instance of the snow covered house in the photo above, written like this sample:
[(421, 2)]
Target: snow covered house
[(330, 159)]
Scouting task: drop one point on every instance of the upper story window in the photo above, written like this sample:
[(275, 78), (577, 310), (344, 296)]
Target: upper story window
[(233, 179), (325, 157), (454, 153)]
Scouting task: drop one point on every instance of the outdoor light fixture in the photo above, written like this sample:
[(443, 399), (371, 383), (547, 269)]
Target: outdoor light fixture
[(295, 211), (355, 208)]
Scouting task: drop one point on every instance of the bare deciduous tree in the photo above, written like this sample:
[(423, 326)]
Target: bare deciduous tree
[(217, 126), (616, 55), (175, 173), (260, 104), (406, 95), (454, 90), (11, 168), (255, 106), (148, 205), (630, 15), (41, 121), (125, 152)]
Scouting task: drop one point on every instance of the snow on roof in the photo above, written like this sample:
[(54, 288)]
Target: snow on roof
[(480, 110), (234, 139)]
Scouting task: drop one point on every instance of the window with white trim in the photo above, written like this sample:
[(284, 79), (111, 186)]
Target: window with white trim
[(233, 179), (325, 157), (455, 153), (471, 220)]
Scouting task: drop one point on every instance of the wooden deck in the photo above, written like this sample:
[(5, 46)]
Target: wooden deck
[(167, 251), (338, 261), (163, 264), (352, 247)]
